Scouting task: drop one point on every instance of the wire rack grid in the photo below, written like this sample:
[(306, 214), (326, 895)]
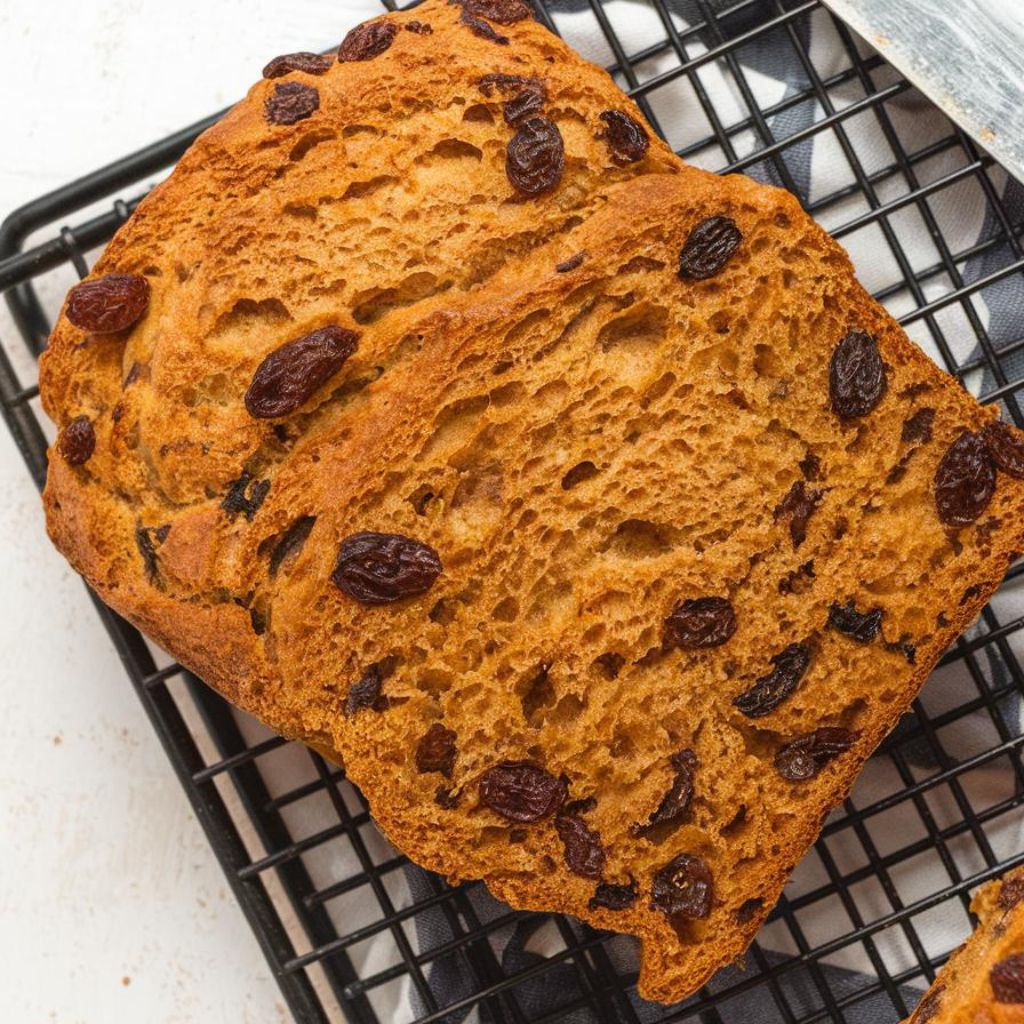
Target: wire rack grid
[(350, 929)]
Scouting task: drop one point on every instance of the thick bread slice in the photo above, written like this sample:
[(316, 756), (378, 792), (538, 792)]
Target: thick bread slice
[(585, 440), (695, 403), (983, 982)]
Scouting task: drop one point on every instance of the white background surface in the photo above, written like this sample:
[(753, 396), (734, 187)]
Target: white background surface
[(112, 908)]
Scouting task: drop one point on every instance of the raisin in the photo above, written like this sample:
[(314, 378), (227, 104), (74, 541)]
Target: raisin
[(584, 854), (571, 263), (899, 471), (772, 689), (480, 28), (77, 441), (798, 580), (379, 568), (683, 886), (108, 304), (860, 626), (435, 751), (243, 499), (964, 481), (918, 427), (798, 506), (856, 376), (1007, 978), (420, 28), (446, 798), (626, 138), (522, 106), (701, 622), (675, 802), (535, 157), (258, 619), (291, 374), (365, 692), (290, 543), (582, 806), (708, 247), (907, 649), (290, 103), (748, 910), (810, 466), (367, 41), (1006, 446), (805, 756), (504, 12), (308, 63), (1012, 893), (929, 1006), (161, 532), (144, 542), (521, 791), (510, 85), (613, 897)]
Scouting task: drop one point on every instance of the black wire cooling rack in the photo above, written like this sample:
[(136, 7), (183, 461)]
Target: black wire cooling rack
[(351, 930)]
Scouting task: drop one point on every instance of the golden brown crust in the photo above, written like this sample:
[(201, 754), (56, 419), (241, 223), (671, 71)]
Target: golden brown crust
[(962, 993), (485, 373)]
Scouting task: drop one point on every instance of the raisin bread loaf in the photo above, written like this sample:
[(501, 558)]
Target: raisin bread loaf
[(983, 982), (580, 502)]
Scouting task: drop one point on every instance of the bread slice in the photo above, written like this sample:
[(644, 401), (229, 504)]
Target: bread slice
[(983, 982), (602, 571), (392, 189)]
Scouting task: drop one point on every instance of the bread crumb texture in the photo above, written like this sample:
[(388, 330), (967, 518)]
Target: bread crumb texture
[(983, 982), (579, 501)]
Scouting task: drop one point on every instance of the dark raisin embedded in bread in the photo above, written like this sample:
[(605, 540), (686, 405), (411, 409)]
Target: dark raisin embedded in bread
[(77, 441), (788, 668), (708, 248), (804, 757), (683, 887), (627, 139), (535, 157), (307, 63), (290, 375), (108, 304), (1006, 447), (674, 803), (584, 854), (860, 626), (965, 480), (367, 41), (521, 791), (436, 750), (380, 568), (701, 622), (291, 102), (1007, 980), (857, 379), (609, 896)]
